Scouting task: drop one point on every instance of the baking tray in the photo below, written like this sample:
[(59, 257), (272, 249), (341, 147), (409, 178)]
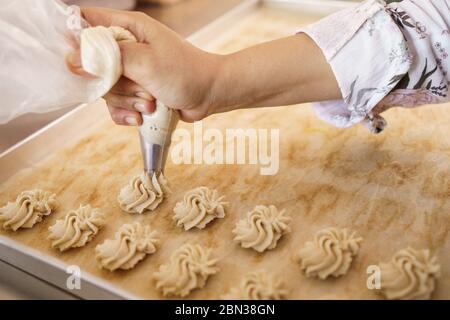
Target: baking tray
[(18, 157), (85, 119), (313, 196)]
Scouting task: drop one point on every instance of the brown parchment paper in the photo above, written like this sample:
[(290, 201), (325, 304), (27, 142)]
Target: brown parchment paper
[(392, 189)]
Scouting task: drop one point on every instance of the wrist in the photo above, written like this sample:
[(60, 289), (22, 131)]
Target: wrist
[(218, 85), (233, 86)]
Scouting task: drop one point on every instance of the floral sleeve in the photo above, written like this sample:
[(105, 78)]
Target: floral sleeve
[(384, 55)]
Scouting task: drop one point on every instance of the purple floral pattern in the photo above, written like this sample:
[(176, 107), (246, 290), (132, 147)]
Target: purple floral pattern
[(405, 61), (407, 98)]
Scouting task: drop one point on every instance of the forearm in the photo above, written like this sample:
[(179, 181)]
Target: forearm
[(286, 71)]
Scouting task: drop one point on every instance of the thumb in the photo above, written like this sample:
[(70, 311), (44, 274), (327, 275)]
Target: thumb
[(73, 63)]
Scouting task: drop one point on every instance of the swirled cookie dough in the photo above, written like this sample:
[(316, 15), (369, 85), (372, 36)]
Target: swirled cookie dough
[(189, 268), (410, 274), (199, 207), (132, 242), (77, 228), (143, 193), (262, 228), (329, 254), (258, 285), (28, 209)]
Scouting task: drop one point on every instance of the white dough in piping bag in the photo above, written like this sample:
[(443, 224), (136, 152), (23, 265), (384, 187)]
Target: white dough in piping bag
[(36, 38), (100, 55)]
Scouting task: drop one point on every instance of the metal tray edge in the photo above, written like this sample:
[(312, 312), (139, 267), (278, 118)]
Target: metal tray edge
[(44, 267), (54, 271)]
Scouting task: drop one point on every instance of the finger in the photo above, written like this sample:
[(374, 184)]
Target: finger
[(132, 21), (72, 40), (126, 87), (73, 63), (191, 115), (125, 117), (136, 59), (130, 103)]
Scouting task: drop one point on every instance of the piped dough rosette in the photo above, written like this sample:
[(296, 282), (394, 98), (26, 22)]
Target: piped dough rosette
[(28, 209), (329, 254), (262, 228), (199, 207), (189, 268), (411, 274), (132, 242), (77, 228), (258, 285), (143, 193)]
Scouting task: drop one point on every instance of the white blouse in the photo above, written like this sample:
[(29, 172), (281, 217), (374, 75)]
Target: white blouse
[(384, 54)]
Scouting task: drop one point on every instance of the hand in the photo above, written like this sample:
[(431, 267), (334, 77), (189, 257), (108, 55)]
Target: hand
[(160, 66), (165, 67)]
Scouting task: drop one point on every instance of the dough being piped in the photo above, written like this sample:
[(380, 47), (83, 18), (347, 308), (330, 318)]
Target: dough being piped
[(143, 194), (411, 274), (101, 56), (258, 285), (262, 228), (189, 268), (199, 207), (77, 228), (28, 209), (130, 245), (329, 254)]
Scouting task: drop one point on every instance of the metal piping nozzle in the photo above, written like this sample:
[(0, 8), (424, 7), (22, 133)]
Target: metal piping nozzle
[(155, 136)]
